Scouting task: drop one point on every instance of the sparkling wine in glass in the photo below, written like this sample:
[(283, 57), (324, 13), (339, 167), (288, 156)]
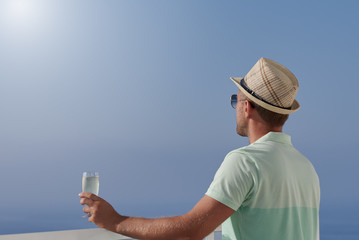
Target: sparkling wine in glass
[(90, 183)]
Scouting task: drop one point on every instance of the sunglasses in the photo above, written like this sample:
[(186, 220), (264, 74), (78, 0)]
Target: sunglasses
[(234, 100)]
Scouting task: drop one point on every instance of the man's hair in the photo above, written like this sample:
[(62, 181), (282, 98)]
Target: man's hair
[(271, 118)]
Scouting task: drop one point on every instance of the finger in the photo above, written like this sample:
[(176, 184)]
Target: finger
[(90, 196), (90, 218), (86, 210), (86, 201)]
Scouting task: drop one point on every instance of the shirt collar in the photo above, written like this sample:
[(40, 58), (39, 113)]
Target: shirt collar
[(276, 137)]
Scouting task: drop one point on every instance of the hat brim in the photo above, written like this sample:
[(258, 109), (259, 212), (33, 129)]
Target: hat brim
[(294, 108)]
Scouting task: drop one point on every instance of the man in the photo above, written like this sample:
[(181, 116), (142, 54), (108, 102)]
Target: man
[(266, 190)]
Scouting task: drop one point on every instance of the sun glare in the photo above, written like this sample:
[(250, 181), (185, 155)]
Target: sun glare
[(20, 9), (20, 15)]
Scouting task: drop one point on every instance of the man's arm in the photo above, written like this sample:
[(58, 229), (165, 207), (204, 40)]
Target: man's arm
[(205, 216)]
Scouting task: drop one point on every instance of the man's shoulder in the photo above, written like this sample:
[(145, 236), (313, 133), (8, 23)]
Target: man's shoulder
[(251, 153), (245, 151), (240, 155)]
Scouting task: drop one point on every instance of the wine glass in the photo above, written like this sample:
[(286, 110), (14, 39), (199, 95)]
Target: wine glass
[(90, 183)]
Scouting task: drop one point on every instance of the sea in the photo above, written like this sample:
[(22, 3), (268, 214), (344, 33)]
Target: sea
[(334, 225)]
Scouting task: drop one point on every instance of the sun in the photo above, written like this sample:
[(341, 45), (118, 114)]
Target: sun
[(22, 15), (20, 9)]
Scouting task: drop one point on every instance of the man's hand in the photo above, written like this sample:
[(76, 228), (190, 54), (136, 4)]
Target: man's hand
[(101, 212)]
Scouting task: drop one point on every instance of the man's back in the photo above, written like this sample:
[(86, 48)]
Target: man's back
[(273, 189)]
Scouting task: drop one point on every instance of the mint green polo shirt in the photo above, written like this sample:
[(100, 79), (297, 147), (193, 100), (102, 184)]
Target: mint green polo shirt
[(273, 189)]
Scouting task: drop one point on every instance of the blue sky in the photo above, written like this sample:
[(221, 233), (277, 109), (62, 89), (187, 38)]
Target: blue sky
[(139, 91)]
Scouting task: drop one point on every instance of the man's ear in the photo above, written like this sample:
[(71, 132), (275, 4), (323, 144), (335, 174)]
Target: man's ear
[(248, 109)]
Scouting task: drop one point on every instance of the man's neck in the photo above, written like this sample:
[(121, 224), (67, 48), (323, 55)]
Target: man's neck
[(256, 131)]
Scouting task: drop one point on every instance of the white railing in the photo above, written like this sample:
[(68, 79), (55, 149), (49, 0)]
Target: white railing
[(87, 234)]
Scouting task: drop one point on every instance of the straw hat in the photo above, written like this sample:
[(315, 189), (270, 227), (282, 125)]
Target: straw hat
[(271, 86)]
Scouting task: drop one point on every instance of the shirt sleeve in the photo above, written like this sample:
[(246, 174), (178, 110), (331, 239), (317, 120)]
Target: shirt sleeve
[(234, 180)]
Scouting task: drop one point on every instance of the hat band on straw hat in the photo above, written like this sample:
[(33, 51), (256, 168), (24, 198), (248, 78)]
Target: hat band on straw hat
[(251, 92)]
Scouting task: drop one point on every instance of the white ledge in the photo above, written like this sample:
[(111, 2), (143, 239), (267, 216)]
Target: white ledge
[(87, 234)]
